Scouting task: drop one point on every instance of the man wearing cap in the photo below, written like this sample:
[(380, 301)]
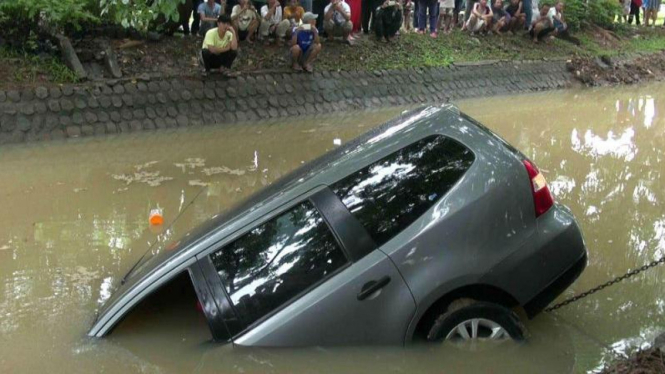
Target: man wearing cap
[(220, 45), (337, 20), (305, 44)]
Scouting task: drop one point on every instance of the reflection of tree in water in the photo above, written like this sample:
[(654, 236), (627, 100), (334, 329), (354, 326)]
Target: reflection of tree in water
[(277, 260), (390, 194)]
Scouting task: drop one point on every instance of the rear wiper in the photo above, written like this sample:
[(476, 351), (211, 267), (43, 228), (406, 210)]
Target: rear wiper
[(124, 279)]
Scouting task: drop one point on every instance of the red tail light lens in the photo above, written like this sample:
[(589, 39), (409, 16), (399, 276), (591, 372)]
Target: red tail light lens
[(542, 198)]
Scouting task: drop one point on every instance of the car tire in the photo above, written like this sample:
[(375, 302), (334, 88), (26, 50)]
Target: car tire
[(492, 322)]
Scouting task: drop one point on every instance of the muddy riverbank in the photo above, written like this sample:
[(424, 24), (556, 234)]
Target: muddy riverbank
[(606, 70)]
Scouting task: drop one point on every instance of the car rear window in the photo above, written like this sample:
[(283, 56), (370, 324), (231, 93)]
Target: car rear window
[(390, 194), (277, 261)]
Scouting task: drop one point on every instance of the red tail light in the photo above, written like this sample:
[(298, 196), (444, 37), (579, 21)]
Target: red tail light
[(542, 198)]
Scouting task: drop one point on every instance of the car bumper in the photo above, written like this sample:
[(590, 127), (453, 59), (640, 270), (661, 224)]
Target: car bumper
[(554, 289), (550, 261)]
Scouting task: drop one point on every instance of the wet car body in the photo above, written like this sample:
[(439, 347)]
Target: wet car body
[(401, 221)]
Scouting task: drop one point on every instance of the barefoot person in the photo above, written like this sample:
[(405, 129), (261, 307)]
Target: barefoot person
[(245, 20), (388, 20), (517, 16), (305, 44), (272, 23), (555, 15), (220, 45), (500, 19), (446, 14), (337, 20), (542, 26), (651, 11), (480, 17)]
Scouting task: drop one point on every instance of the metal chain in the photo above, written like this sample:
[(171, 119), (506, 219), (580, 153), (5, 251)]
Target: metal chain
[(606, 284)]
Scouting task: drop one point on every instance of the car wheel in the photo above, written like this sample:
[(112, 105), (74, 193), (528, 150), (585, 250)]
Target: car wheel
[(469, 320)]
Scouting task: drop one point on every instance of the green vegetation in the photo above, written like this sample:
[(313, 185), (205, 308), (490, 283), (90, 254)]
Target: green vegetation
[(412, 50), (603, 12), (23, 19), (28, 69), (140, 14)]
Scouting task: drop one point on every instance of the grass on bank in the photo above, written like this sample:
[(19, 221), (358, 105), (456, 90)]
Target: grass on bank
[(409, 50), (413, 50), (23, 68)]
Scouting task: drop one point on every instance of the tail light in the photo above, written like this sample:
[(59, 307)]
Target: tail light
[(542, 198)]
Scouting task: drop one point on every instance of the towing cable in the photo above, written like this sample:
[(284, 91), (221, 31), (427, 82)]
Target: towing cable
[(616, 280)]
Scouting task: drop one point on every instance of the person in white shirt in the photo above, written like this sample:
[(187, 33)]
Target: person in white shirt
[(272, 23), (555, 14), (245, 20), (337, 20)]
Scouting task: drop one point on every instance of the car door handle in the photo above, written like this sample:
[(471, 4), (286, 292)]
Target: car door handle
[(372, 286)]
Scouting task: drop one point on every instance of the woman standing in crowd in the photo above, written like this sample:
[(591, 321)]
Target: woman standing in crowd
[(635, 6)]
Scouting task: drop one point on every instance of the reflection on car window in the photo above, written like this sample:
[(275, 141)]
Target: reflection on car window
[(278, 260), (390, 194)]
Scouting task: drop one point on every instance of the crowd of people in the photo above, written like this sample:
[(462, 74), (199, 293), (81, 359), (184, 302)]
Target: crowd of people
[(631, 11), (302, 24)]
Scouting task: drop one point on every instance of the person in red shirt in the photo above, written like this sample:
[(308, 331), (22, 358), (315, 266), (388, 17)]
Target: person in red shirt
[(635, 6)]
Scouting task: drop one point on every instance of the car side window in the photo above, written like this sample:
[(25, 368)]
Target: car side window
[(390, 194), (278, 260)]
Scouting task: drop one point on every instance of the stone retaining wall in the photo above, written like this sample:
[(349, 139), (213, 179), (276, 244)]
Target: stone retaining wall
[(127, 106)]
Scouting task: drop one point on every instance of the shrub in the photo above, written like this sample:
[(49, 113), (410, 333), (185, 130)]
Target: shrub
[(579, 13), (604, 12), (140, 14)]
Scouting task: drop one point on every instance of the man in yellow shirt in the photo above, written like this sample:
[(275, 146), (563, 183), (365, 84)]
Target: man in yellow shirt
[(220, 45), (293, 12)]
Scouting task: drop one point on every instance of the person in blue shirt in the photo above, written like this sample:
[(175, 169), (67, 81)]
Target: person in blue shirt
[(305, 44), (208, 12)]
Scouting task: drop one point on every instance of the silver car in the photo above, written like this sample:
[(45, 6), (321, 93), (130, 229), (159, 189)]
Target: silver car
[(429, 227)]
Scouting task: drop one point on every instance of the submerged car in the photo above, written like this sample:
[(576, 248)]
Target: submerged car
[(428, 226)]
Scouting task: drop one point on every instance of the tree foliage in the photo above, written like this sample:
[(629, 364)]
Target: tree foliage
[(603, 12), (57, 13), (140, 14), (22, 19)]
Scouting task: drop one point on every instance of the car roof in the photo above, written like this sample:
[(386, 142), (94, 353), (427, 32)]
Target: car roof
[(332, 166), (297, 178)]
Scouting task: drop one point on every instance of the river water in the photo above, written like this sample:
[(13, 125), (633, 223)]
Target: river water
[(74, 218)]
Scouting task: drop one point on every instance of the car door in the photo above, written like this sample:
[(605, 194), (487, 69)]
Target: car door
[(308, 275)]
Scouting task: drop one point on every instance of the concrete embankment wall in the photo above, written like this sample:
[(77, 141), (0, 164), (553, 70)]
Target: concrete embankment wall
[(114, 107)]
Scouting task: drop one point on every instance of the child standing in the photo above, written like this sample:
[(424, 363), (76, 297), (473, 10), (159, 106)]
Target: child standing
[(446, 9)]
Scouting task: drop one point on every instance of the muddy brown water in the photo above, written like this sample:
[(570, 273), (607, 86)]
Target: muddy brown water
[(74, 218)]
